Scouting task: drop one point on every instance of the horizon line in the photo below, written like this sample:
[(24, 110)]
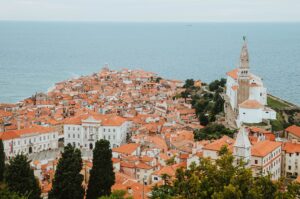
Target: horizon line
[(129, 21)]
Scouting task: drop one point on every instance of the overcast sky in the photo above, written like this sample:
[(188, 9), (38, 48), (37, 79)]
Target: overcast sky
[(151, 10)]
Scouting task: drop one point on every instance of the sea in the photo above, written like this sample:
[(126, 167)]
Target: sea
[(36, 55)]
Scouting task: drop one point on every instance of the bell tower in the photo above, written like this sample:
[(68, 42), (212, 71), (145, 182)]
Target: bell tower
[(243, 75), (242, 147)]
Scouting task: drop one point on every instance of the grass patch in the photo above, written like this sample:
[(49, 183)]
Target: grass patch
[(275, 104), (278, 124)]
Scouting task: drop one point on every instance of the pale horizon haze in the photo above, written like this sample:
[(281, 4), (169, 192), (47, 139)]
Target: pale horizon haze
[(151, 10)]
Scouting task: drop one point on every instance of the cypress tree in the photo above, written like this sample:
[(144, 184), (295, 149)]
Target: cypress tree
[(2, 160), (67, 182), (102, 176), (19, 178)]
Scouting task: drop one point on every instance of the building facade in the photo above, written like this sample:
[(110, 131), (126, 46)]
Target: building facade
[(29, 140), (83, 131)]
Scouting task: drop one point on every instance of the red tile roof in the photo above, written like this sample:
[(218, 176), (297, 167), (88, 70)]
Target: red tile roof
[(290, 147), (127, 149), (263, 148), (295, 130), (251, 104), (233, 73)]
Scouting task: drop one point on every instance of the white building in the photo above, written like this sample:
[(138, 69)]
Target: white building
[(84, 130), (266, 158), (247, 94), (291, 159), (29, 140)]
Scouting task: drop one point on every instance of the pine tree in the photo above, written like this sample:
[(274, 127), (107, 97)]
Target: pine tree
[(67, 183), (2, 160), (102, 175), (19, 178)]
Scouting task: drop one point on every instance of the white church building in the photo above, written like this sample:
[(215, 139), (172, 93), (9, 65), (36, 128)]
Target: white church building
[(247, 94)]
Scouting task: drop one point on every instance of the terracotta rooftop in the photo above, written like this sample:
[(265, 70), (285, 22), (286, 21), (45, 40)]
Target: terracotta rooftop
[(295, 130), (263, 148), (127, 149), (251, 104), (290, 147), (217, 144), (233, 73)]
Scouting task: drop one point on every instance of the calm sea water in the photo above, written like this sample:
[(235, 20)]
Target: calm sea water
[(35, 55)]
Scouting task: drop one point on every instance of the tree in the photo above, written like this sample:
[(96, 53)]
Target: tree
[(212, 131), (102, 176), (218, 105), (118, 194), (67, 182), (222, 179), (19, 178), (203, 119), (189, 83), (2, 161), (6, 194)]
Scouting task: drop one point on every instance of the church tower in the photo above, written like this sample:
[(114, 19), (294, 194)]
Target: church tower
[(243, 75), (242, 147)]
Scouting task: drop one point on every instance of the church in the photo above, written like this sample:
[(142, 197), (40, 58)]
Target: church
[(246, 93)]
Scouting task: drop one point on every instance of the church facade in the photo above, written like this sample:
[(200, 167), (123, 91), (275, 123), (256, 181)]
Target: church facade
[(247, 94)]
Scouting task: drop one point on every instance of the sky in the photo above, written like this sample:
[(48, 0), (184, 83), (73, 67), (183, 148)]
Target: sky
[(152, 10)]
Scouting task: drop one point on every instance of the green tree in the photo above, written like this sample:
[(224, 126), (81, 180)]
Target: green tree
[(223, 179), (67, 182), (118, 194), (189, 83), (203, 119), (19, 178), (102, 176), (212, 131), (7, 194), (218, 105), (2, 161)]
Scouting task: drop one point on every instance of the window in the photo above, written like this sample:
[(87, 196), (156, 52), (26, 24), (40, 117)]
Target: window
[(78, 136), (290, 167), (53, 135), (103, 130), (290, 154), (69, 135), (73, 135), (155, 178), (109, 137), (108, 130), (256, 162), (297, 154), (114, 130), (69, 128), (73, 128), (114, 137)]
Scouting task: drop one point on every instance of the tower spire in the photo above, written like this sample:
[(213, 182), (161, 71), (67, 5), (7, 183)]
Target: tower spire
[(244, 58)]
